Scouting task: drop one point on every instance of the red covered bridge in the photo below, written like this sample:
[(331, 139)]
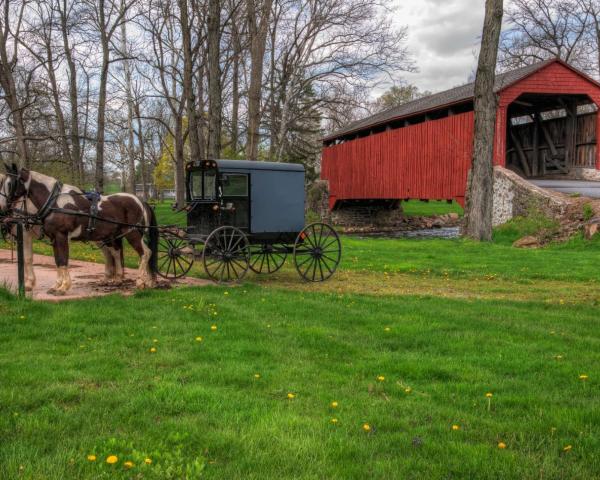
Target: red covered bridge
[(546, 124)]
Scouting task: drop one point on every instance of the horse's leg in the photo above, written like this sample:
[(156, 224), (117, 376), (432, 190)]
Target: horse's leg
[(61, 257), (109, 266), (136, 240), (117, 253), (28, 257)]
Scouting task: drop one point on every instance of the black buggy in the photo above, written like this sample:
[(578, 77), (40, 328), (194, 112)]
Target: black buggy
[(245, 215)]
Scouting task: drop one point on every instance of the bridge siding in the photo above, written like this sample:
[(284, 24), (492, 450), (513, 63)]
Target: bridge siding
[(431, 160)]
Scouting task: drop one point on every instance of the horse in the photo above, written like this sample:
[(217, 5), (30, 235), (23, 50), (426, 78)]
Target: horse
[(65, 214), (28, 234)]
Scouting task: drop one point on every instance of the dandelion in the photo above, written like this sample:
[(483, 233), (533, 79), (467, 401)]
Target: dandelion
[(380, 378), (387, 329), (334, 420), (501, 445), (22, 317), (225, 293), (559, 357), (128, 464), (455, 427), (91, 458), (567, 448), (257, 375), (291, 396), (148, 461), (366, 427), (213, 328), (334, 404), (112, 459), (489, 396), (408, 390), (583, 377), (153, 350), (198, 339), (155, 340)]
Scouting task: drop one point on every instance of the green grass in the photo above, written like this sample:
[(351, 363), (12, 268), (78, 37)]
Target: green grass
[(416, 208), (79, 379), (445, 322)]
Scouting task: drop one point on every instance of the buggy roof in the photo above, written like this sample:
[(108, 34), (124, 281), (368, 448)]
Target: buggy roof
[(252, 165)]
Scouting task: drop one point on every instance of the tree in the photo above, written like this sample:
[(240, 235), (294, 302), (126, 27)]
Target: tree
[(478, 212), (542, 29), (398, 95)]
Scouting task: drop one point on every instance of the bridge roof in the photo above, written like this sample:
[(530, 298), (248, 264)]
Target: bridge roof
[(446, 98)]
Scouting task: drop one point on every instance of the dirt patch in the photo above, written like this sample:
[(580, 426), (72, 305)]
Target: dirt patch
[(87, 278)]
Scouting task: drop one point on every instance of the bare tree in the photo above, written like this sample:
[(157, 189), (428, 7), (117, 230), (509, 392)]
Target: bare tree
[(214, 79), (478, 211)]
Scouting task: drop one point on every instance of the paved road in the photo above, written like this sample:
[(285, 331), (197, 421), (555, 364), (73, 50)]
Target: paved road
[(584, 188)]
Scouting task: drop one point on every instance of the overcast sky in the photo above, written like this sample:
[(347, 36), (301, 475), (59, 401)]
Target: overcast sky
[(442, 37)]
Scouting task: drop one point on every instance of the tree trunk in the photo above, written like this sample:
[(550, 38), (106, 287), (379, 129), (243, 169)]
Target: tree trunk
[(214, 80), (76, 156), (101, 116), (129, 98), (140, 135), (479, 206), (188, 87), (235, 94), (257, 29), (179, 164)]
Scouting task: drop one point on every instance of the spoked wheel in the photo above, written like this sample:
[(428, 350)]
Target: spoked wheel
[(267, 258), (317, 252), (175, 257), (226, 255)]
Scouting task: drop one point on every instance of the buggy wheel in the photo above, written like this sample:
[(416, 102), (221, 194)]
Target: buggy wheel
[(267, 258), (317, 252), (175, 256), (226, 255)]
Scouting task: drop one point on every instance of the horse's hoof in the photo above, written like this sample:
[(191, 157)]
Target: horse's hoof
[(28, 288), (52, 291)]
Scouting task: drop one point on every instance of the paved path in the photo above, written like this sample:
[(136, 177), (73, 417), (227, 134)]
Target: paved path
[(86, 277), (583, 187)]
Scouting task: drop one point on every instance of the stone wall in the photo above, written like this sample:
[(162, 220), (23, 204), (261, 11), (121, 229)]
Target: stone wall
[(515, 196)]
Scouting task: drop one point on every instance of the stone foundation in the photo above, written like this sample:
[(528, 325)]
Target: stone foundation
[(515, 196), (365, 215)]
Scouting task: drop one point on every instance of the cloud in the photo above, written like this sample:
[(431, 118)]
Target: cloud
[(442, 37)]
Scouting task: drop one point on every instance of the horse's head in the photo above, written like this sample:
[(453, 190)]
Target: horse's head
[(12, 186)]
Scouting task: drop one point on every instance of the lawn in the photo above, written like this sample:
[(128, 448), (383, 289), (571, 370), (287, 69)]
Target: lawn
[(408, 338), (414, 208)]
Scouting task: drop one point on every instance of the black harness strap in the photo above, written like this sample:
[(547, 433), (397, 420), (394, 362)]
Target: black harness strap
[(46, 209), (94, 198)]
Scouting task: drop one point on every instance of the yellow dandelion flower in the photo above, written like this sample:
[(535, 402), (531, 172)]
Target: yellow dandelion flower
[(291, 396), (112, 459), (155, 340), (257, 375), (489, 395), (455, 427), (334, 420), (387, 329), (153, 350), (567, 448), (408, 389), (583, 377), (225, 293), (334, 404), (561, 301), (213, 328), (91, 458), (198, 339), (22, 317), (366, 427), (128, 464), (501, 445), (380, 378), (559, 357), (148, 461)]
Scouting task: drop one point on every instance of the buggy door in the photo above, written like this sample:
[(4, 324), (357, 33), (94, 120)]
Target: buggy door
[(235, 199)]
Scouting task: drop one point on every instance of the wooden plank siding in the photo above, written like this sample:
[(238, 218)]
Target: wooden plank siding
[(429, 160)]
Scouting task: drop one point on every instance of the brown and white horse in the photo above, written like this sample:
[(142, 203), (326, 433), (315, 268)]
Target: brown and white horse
[(64, 211)]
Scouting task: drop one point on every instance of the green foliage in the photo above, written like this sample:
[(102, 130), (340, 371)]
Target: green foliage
[(588, 212), (416, 208), (534, 224)]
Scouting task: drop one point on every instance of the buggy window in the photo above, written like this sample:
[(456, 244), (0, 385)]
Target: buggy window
[(235, 185), (203, 185)]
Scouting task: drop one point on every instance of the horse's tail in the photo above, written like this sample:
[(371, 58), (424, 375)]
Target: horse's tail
[(153, 239)]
